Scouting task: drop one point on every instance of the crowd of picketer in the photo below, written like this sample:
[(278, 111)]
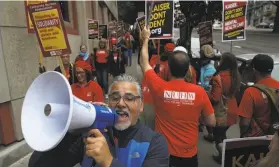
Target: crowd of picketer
[(160, 117)]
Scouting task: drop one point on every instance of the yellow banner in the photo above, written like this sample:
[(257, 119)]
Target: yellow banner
[(50, 30), (29, 22)]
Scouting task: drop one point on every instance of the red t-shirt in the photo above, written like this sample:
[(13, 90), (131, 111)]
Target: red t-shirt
[(102, 56), (90, 92), (254, 104), (163, 74), (145, 90), (221, 85), (178, 106), (194, 74), (112, 41)]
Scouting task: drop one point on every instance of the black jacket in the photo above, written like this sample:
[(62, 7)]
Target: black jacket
[(72, 78), (118, 67), (138, 146)]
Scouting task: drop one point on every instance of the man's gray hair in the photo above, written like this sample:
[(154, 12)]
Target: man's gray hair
[(126, 78)]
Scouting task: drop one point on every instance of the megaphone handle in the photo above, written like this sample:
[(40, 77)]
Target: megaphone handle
[(87, 161)]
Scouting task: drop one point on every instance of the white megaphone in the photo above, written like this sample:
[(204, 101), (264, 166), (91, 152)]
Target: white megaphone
[(50, 110)]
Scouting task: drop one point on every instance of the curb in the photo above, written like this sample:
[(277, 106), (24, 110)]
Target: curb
[(14, 152), (23, 162), (250, 31)]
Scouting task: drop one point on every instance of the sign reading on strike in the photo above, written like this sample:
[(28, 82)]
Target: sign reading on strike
[(234, 20), (141, 22), (242, 152), (93, 29), (161, 19), (103, 31), (205, 33), (49, 28), (27, 3)]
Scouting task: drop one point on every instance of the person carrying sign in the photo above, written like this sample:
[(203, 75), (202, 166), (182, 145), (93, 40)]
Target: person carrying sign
[(147, 117), (69, 68), (178, 106)]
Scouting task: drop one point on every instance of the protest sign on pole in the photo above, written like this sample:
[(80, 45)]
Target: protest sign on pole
[(103, 31), (241, 152), (27, 3), (141, 22), (50, 30), (120, 29), (234, 20), (93, 29), (161, 18), (205, 33)]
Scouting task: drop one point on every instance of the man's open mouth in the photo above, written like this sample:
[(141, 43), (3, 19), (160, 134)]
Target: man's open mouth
[(122, 113)]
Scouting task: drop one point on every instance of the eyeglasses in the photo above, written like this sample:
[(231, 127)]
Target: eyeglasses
[(80, 72), (127, 98), (65, 56)]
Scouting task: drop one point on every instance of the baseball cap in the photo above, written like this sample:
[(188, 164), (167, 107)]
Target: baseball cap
[(208, 51), (263, 63), (169, 47), (180, 49)]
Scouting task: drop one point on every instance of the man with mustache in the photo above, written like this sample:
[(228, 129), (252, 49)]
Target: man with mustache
[(130, 144)]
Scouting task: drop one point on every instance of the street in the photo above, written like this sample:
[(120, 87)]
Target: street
[(256, 42)]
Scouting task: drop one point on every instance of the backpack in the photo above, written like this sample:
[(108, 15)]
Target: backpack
[(273, 100)]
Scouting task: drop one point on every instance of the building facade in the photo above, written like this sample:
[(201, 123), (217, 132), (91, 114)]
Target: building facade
[(260, 13), (19, 61)]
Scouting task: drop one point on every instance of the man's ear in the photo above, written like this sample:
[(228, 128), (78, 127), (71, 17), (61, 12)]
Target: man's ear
[(141, 106)]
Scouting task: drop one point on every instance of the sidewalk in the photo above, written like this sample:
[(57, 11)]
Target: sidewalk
[(13, 153), (251, 29)]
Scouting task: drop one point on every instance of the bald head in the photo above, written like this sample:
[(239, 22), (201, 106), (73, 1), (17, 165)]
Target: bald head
[(178, 64)]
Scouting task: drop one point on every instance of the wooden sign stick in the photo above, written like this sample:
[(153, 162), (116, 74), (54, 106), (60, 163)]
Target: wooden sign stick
[(59, 60), (158, 52)]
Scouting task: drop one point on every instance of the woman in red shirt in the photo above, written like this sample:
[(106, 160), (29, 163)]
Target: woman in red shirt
[(225, 83), (85, 88), (101, 64)]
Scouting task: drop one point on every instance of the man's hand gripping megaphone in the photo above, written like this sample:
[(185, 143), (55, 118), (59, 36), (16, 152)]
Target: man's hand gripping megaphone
[(96, 146)]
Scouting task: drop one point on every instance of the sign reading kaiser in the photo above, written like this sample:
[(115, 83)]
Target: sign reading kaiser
[(244, 152), (161, 18), (49, 27), (234, 20)]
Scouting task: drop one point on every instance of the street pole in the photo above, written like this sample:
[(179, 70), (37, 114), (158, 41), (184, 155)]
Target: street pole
[(231, 46)]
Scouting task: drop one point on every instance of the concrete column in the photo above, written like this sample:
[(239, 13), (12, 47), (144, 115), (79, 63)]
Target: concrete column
[(105, 15), (82, 23)]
